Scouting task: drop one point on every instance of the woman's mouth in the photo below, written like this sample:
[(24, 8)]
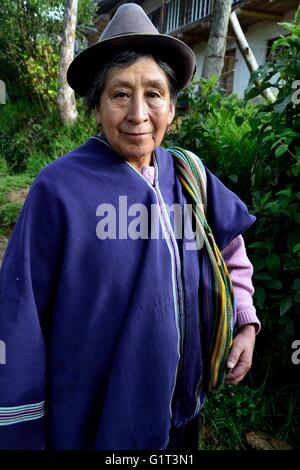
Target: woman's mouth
[(137, 135)]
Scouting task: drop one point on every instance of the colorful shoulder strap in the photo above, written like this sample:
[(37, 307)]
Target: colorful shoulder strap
[(219, 316)]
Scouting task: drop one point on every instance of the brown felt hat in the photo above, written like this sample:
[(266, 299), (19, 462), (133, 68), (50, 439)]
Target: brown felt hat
[(131, 29)]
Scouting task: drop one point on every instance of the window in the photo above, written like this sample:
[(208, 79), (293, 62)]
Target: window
[(226, 80)]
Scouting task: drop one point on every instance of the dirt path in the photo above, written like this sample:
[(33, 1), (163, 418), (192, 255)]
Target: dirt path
[(3, 245)]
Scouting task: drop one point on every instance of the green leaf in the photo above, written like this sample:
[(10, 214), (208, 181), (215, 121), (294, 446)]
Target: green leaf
[(296, 248), (295, 170), (239, 120), (285, 305), (273, 263), (251, 93), (274, 284), (268, 172), (289, 133), (254, 123), (293, 238), (297, 217), (260, 297), (263, 72), (261, 245), (259, 264), (285, 192), (262, 277), (281, 150), (233, 178), (281, 107), (269, 138), (274, 294), (296, 284)]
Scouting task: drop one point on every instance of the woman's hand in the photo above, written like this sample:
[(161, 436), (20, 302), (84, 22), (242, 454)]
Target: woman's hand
[(240, 357)]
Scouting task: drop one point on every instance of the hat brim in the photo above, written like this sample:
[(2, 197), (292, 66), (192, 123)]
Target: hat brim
[(174, 52)]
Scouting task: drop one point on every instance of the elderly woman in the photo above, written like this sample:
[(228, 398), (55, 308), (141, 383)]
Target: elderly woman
[(116, 325)]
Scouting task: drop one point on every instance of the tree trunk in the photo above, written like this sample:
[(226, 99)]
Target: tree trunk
[(216, 46), (248, 54), (66, 98)]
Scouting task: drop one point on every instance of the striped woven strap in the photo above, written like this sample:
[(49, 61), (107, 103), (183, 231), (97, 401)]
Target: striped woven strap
[(219, 314)]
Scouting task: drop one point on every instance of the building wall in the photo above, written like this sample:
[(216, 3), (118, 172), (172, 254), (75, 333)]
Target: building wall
[(258, 36), (150, 5)]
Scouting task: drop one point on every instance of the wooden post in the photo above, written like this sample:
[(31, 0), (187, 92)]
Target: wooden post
[(248, 54), (162, 17), (66, 97)]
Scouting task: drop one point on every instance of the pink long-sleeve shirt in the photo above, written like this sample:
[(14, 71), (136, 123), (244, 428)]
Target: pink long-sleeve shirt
[(240, 271)]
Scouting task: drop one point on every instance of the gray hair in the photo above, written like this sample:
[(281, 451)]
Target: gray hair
[(125, 59)]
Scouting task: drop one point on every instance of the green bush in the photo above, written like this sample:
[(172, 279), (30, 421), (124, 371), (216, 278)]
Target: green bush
[(216, 127), (28, 142), (255, 149), (30, 39), (3, 166), (8, 216), (29, 49), (10, 207), (275, 184), (14, 142)]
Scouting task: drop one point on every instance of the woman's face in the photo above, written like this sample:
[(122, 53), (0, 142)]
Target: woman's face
[(135, 110)]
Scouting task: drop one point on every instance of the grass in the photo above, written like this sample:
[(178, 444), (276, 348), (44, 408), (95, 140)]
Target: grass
[(236, 410), (27, 144), (10, 209)]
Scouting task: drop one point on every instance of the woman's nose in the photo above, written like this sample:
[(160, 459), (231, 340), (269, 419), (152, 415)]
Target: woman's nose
[(138, 110)]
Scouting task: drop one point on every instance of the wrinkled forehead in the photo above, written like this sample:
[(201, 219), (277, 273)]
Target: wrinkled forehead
[(144, 71)]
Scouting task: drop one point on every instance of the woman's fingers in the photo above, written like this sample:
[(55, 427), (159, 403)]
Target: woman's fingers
[(239, 371), (240, 358)]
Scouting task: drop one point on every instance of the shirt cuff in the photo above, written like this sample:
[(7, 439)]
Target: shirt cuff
[(247, 317)]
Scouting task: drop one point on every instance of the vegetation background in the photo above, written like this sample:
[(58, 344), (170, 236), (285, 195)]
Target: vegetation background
[(252, 146)]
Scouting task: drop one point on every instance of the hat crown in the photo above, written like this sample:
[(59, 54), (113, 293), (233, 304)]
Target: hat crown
[(131, 29), (129, 18)]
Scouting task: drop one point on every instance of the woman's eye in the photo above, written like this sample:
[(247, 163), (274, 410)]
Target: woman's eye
[(120, 94), (153, 94)]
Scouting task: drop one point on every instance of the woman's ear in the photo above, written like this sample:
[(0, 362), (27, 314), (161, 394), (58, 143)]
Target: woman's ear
[(171, 113)]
